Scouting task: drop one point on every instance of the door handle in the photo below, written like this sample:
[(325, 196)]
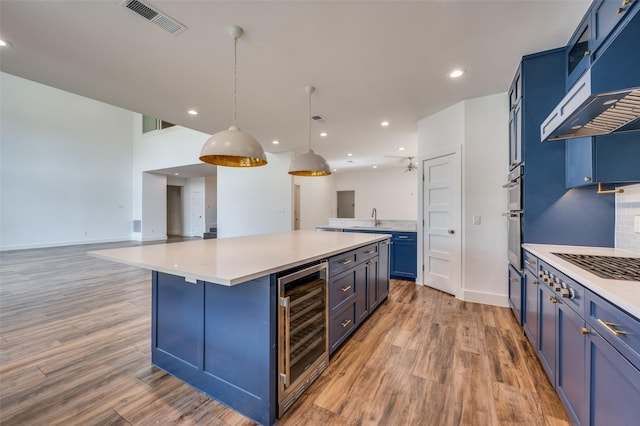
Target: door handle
[(451, 231)]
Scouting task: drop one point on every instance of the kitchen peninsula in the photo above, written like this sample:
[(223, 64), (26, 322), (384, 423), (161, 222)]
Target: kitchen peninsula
[(215, 310)]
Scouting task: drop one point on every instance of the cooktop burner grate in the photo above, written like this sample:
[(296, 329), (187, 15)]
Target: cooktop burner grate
[(608, 267)]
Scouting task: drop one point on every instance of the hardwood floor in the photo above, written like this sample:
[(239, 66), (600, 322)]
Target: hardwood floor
[(75, 350)]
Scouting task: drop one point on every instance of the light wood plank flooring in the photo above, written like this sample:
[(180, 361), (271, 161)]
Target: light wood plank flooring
[(75, 350)]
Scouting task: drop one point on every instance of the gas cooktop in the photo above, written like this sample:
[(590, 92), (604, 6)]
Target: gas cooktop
[(608, 267)]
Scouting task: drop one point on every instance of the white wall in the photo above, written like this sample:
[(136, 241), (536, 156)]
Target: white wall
[(65, 167), (392, 192), (480, 127), (211, 201), (154, 207), (627, 209), (256, 200), (316, 200)]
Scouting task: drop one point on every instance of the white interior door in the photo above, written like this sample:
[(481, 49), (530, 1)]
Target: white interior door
[(197, 214), (442, 223)]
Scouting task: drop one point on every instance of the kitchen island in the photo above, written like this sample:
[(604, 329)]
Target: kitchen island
[(215, 308)]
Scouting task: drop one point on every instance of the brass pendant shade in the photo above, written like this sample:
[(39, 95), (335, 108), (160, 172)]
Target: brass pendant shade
[(309, 163), (233, 147)]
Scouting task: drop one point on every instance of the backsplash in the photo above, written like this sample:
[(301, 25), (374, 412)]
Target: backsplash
[(627, 208)]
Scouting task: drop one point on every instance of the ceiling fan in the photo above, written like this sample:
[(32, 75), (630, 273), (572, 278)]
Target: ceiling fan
[(410, 167)]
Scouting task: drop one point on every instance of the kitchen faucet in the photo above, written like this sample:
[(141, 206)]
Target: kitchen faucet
[(374, 215)]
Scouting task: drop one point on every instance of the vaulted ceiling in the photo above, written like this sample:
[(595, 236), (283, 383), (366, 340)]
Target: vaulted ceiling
[(369, 60)]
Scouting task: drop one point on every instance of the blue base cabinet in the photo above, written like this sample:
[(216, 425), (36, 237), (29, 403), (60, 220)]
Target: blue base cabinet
[(515, 292), (403, 253), (590, 350)]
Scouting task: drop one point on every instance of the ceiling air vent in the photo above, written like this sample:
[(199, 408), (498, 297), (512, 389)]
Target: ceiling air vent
[(317, 118), (152, 14)]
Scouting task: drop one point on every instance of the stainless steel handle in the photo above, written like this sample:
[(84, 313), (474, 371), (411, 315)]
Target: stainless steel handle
[(451, 231), (402, 237), (529, 262), (287, 341), (345, 288), (345, 323), (610, 328), (370, 251), (346, 261)]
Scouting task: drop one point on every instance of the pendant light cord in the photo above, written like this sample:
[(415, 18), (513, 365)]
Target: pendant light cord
[(235, 79), (310, 119)]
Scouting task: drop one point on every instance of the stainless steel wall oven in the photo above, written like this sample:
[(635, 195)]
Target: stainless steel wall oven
[(303, 344), (514, 216)]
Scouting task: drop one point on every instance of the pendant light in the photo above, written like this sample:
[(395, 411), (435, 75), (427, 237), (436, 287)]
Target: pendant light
[(233, 147), (309, 163)]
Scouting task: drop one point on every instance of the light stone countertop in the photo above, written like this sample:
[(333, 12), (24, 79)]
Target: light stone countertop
[(231, 261), (624, 294)]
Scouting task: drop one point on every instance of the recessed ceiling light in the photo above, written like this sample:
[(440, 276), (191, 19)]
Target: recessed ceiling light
[(384, 123), (349, 155), (375, 167), (177, 174), (5, 43), (192, 112), (456, 73), (335, 170), (275, 142), (323, 134), (401, 148)]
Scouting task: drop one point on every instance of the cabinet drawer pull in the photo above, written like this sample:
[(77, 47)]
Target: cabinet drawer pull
[(345, 323), (346, 261), (515, 280), (553, 299), (534, 282), (586, 52), (609, 326), (584, 330), (587, 179), (402, 237), (530, 262), (346, 288), (621, 10), (370, 251)]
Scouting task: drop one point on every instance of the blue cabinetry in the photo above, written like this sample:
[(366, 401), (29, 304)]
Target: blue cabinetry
[(358, 283), (590, 350), (610, 158), (403, 253), (515, 121), (530, 298)]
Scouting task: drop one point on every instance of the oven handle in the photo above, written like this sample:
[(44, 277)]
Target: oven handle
[(287, 341), (511, 184)]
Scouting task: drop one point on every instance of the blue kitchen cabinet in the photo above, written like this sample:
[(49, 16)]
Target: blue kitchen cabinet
[(379, 289), (613, 384), (547, 334), (612, 158), (403, 253), (571, 361), (515, 121), (578, 52), (605, 17), (515, 292), (404, 256)]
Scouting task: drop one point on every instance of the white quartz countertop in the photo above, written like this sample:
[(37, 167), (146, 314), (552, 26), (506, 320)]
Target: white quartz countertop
[(365, 228), (624, 294), (231, 261)]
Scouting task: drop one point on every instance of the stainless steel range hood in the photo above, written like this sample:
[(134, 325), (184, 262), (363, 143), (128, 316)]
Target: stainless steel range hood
[(606, 98)]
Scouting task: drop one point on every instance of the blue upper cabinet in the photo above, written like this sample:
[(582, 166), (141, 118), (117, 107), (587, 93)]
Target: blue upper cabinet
[(515, 121), (579, 52), (613, 158), (603, 19)]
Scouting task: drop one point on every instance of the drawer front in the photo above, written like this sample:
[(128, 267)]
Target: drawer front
[(566, 289), (341, 288), (403, 236), (617, 327), (367, 252), (342, 325), (530, 262), (342, 262)]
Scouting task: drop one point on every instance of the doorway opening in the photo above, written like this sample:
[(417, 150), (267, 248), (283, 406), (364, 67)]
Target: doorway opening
[(346, 204), (174, 210)]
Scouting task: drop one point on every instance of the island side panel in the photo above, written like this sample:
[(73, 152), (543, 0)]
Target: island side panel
[(236, 362)]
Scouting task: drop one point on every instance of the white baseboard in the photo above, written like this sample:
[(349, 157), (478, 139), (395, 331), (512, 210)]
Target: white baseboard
[(64, 243), (485, 298)]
